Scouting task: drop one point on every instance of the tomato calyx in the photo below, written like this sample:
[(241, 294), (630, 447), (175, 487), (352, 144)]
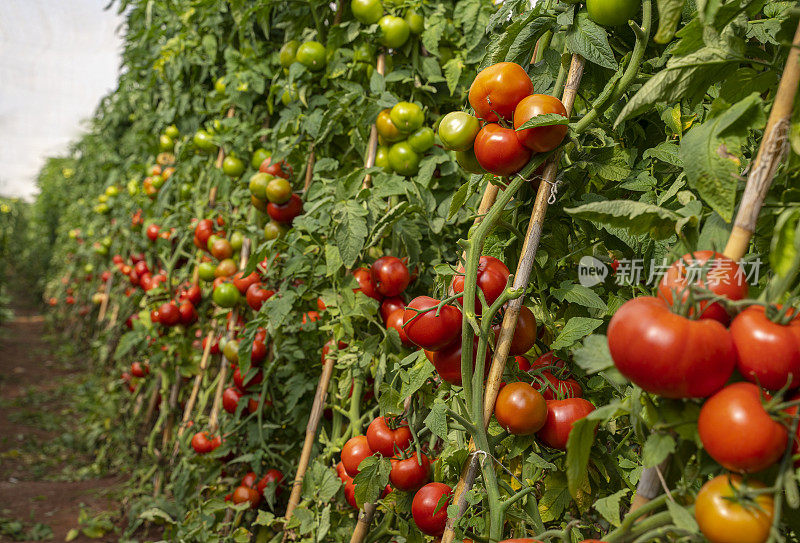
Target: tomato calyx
[(776, 313)]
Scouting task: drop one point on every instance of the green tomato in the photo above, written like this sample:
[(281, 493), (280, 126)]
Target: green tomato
[(231, 350), (403, 159), (112, 190), (233, 166), (259, 156), (133, 187), (157, 181), (106, 242), (289, 96), (273, 230), (278, 190), (219, 85), (88, 268), (205, 271), (172, 131), (407, 117), (237, 239), (186, 191), (457, 130), (165, 143), (466, 159), (102, 208), (258, 185), (364, 53), (367, 11), (288, 53), (394, 31), (421, 140), (312, 55), (204, 141), (226, 295), (612, 12), (103, 198), (416, 23), (382, 158)]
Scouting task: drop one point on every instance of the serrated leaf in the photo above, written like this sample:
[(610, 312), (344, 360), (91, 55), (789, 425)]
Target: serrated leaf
[(452, 73), (579, 294), (591, 42), (462, 195), (432, 35), (351, 232), (593, 355), (415, 377), (579, 446), (635, 217), (608, 507), (547, 119), (657, 448), (669, 16), (436, 421), (575, 329), (333, 260), (372, 478), (665, 152)]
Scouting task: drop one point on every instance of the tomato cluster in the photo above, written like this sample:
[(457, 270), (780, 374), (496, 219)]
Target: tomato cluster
[(271, 193), (251, 490), (386, 281), (502, 97), (402, 138)]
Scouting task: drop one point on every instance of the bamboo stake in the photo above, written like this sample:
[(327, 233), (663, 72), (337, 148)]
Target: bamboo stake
[(187, 412), (309, 169), (524, 268), (372, 145), (364, 520), (106, 295), (762, 171)]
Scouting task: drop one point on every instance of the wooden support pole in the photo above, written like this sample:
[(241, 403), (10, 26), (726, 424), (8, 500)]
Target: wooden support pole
[(372, 144)]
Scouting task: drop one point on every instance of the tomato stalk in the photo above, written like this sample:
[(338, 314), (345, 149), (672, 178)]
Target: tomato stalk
[(626, 529)]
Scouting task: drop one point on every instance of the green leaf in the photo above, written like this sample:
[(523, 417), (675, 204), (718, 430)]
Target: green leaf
[(462, 194), (333, 260), (389, 400), (436, 421), (575, 329), (784, 255), (712, 153), (593, 355), (657, 448), (324, 524), (351, 232), (546, 119), (591, 42), (416, 376), (579, 446), (521, 49), (689, 77), (635, 217), (608, 507), (665, 152), (452, 73), (265, 518), (372, 478), (669, 16), (432, 35), (578, 294), (682, 518), (556, 497)]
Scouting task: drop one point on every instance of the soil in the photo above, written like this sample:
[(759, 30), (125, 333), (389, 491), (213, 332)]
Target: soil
[(40, 489)]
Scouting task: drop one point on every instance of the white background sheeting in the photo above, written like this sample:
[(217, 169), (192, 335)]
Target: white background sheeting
[(58, 58)]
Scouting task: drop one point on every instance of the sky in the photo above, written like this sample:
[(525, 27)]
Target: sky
[(58, 58)]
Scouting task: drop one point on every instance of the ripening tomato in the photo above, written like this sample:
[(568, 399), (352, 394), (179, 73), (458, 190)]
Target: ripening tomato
[(543, 138), (140, 370), (278, 169), (498, 89), (221, 249), (258, 352), (386, 128), (767, 352), (272, 479), (390, 276), (230, 399), (285, 213), (457, 130), (492, 279), (192, 293), (524, 333), (244, 494), (723, 277), (447, 361), (561, 415), (668, 354), (403, 159), (278, 190), (350, 492), (395, 320), (498, 150), (354, 451), (407, 116), (232, 166), (257, 294), (520, 409), (390, 305), (410, 473), (737, 431), (249, 479), (723, 518), (365, 283), (386, 440), (241, 384), (243, 283), (422, 139), (427, 330), (429, 508)]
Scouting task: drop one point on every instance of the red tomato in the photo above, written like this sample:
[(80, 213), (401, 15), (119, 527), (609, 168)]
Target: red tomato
[(238, 379), (350, 492), (152, 232), (354, 451), (258, 352), (427, 330), (723, 277), (520, 409), (310, 316), (249, 480), (202, 443), (668, 354), (411, 473), (499, 151), (524, 333), (389, 305), (385, 440), (395, 321), (543, 138), (243, 283), (279, 169), (548, 362), (244, 494), (273, 479), (257, 294), (140, 370), (188, 314), (737, 432), (561, 415), (169, 314), (390, 276), (321, 305), (230, 399), (553, 388), (285, 213), (365, 283), (192, 294), (492, 279), (429, 508), (498, 89), (767, 352), (447, 361)]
